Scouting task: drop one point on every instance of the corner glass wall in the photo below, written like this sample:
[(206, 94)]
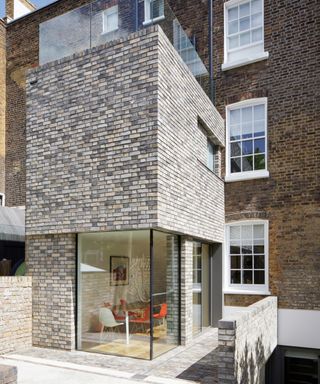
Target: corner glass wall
[(128, 293)]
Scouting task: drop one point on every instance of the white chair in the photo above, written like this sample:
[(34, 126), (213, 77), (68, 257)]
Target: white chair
[(107, 320)]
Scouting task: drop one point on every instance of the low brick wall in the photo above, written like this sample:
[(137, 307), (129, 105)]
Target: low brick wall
[(15, 314), (246, 341), (8, 374)]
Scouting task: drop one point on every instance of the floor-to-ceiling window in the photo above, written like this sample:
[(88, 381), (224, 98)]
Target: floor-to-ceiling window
[(128, 293)]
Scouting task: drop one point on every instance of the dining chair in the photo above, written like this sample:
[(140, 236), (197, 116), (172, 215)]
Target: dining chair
[(107, 320)]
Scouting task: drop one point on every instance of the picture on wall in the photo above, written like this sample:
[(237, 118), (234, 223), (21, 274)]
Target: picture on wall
[(119, 270)]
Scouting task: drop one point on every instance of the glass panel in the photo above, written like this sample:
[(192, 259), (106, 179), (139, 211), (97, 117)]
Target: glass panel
[(244, 9), (259, 162), (259, 277), (245, 23), (256, 6), (259, 262), (256, 20), (247, 262), (259, 146), (246, 114), (156, 8), (236, 165), (258, 231), (235, 262), (235, 149), (235, 247), (258, 246), (196, 312), (233, 42), (114, 293), (165, 292), (235, 116), (246, 232), (233, 13), (235, 232), (244, 38), (247, 277), (247, 147), (246, 248), (256, 35), (197, 288), (233, 27), (258, 128), (235, 277), (247, 163), (235, 132), (259, 112)]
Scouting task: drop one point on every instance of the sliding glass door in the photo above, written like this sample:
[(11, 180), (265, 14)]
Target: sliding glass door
[(128, 293)]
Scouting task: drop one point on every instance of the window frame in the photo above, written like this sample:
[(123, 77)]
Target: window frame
[(249, 289), (147, 14), (254, 57), (246, 175), (105, 15)]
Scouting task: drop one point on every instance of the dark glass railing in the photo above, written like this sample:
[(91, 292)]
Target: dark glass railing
[(105, 20)]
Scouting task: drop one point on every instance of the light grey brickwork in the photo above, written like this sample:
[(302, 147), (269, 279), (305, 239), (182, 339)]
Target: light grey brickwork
[(8, 374), (109, 149), (15, 313), (51, 261), (246, 341)]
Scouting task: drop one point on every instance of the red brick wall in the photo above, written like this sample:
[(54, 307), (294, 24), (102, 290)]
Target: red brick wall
[(289, 198)]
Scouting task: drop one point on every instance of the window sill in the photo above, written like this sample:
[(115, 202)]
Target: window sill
[(246, 61), (246, 292), (250, 175), (109, 32), (153, 21)]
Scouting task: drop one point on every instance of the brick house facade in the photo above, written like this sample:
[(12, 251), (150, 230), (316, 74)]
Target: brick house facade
[(288, 199)]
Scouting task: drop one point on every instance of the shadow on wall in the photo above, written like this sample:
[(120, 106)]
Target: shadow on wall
[(250, 369), (204, 370)]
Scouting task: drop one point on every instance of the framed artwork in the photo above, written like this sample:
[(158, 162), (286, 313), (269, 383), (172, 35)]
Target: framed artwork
[(119, 270)]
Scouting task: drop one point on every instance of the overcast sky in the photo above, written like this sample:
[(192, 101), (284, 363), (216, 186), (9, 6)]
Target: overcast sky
[(37, 3)]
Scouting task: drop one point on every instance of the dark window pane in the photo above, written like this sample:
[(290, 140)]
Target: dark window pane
[(235, 249), (236, 165), (258, 249), (259, 146), (259, 162), (247, 147), (235, 149), (259, 277), (199, 277), (235, 277), (246, 249), (247, 163), (235, 262), (259, 262), (247, 262), (199, 262), (247, 277)]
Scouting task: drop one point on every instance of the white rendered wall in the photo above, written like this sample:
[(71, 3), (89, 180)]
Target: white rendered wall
[(299, 328), (19, 9)]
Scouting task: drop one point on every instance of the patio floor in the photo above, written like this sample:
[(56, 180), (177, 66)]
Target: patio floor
[(197, 363)]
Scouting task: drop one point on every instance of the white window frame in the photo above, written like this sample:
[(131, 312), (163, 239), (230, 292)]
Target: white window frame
[(247, 175), (105, 14), (255, 57), (248, 289), (147, 14)]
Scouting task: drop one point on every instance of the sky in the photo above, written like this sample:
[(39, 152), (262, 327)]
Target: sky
[(37, 3)]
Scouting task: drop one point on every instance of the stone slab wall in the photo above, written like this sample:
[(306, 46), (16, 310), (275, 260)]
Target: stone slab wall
[(246, 341), (51, 261), (15, 313), (8, 374)]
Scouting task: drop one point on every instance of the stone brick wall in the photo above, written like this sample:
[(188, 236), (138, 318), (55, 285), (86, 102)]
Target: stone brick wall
[(289, 198), (8, 374), (129, 170), (2, 103), (51, 261), (15, 314), (246, 341)]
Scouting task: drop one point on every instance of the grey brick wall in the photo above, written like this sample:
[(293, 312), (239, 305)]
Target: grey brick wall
[(15, 313), (109, 149), (246, 341), (51, 261)]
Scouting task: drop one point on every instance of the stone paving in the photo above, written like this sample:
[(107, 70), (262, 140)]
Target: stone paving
[(197, 362)]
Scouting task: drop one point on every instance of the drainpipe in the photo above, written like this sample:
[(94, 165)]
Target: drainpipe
[(212, 84)]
